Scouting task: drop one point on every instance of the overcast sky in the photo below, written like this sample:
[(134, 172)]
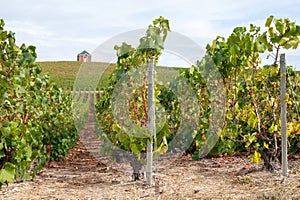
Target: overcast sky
[(60, 29)]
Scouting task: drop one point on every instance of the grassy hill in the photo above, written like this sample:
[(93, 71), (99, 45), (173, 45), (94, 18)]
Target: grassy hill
[(64, 73)]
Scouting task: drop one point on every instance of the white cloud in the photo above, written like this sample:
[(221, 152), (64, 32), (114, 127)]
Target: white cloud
[(24, 27), (60, 29)]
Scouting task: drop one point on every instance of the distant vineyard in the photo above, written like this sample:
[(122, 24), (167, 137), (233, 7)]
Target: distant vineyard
[(64, 73)]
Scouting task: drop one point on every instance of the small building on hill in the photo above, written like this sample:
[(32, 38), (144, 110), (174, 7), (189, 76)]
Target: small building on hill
[(84, 57)]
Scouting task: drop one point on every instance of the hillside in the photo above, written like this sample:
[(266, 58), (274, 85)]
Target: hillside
[(64, 73)]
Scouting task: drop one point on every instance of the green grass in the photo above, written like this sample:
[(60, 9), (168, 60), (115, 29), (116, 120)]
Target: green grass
[(64, 73)]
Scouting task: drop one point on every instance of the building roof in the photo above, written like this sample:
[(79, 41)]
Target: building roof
[(84, 53)]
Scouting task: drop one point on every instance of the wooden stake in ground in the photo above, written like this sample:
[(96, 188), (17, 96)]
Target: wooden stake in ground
[(283, 114), (151, 120)]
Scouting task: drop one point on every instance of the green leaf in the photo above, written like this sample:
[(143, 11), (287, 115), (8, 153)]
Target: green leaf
[(292, 28), (292, 43), (135, 148), (1, 24), (280, 26), (252, 138), (252, 121), (283, 41), (124, 139), (297, 31), (273, 128), (269, 21), (6, 131), (2, 154), (192, 70), (7, 173), (115, 127), (260, 47)]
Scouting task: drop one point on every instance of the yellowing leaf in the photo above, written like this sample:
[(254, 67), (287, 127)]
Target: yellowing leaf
[(266, 145), (255, 158)]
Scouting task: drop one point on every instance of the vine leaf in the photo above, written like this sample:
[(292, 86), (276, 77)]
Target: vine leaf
[(7, 173)]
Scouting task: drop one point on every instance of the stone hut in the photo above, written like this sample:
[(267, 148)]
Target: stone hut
[(84, 57)]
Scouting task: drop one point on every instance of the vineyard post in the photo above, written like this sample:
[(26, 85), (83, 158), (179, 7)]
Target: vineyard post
[(151, 120), (283, 114)]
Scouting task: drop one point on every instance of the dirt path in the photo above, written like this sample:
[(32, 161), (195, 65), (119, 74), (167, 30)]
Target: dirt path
[(85, 174)]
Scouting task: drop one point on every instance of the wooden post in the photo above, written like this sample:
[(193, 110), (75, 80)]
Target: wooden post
[(149, 163), (283, 114), (151, 120)]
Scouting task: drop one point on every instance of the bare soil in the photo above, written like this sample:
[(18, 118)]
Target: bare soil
[(84, 174)]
